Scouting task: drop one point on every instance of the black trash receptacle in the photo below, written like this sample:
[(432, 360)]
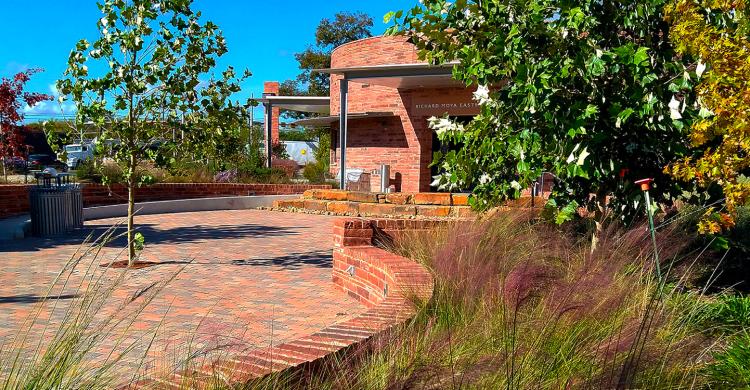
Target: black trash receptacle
[(50, 207), (76, 205), (56, 208)]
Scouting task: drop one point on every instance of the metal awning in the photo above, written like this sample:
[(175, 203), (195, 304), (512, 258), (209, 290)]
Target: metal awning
[(327, 121), (312, 104), (401, 76)]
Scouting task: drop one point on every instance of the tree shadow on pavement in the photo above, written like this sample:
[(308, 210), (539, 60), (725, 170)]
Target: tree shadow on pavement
[(322, 259), (153, 235), (28, 299)]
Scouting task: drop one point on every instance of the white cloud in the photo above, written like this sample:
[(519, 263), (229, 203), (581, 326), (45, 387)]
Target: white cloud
[(50, 109)]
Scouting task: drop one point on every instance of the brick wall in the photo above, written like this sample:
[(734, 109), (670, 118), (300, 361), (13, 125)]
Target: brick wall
[(384, 282), (14, 199), (272, 88), (403, 141), (370, 274)]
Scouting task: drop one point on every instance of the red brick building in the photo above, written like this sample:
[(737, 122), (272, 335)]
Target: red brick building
[(389, 94)]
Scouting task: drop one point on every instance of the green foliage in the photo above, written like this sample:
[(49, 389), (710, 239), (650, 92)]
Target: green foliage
[(730, 313), (579, 89), (139, 241), (716, 34), (510, 313), (152, 61), (739, 236), (731, 368), (264, 175), (345, 27), (88, 172), (315, 173), (299, 135), (113, 174), (279, 151)]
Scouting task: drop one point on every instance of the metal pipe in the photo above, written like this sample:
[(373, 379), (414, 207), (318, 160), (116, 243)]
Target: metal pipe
[(344, 97), (385, 177), (268, 117)]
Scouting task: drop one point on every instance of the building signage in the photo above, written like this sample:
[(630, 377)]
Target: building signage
[(442, 105)]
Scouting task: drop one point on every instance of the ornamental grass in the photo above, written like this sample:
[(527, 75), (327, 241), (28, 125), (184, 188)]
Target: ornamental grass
[(521, 304)]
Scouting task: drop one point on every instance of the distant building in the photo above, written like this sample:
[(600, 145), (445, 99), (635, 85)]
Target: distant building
[(389, 96)]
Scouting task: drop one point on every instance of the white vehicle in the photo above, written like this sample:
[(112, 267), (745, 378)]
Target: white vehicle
[(78, 153)]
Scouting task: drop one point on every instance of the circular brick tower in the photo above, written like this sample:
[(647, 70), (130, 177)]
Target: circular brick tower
[(387, 120)]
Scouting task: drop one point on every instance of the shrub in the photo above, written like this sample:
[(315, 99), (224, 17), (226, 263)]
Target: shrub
[(315, 173), (278, 150), (731, 366), (289, 167), (264, 176), (731, 312), (521, 304), (226, 176), (188, 171), (88, 172)]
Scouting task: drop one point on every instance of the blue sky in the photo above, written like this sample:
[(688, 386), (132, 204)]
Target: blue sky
[(262, 35)]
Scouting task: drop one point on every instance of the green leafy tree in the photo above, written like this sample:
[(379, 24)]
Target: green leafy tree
[(331, 33), (153, 60), (343, 28), (717, 34), (591, 91)]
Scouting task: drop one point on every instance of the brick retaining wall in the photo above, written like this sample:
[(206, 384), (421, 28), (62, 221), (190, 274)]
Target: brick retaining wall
[(382, 281), (14, 199)]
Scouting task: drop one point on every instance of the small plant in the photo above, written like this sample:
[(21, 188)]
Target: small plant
[(112, 173), (315, 173), (731, 367), (731, 312), (289, 167), (87, 171), (229, 176)]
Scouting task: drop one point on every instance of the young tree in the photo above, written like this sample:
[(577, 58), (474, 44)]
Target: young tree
[(12, 96), (155, 59), (586, 90), (716, 34), (345, 27)]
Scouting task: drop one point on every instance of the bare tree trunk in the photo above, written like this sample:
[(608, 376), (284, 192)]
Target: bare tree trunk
[(131, 211)]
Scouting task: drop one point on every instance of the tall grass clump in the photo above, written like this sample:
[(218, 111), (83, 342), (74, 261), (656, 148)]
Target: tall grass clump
[(521, 304), (70, 355)]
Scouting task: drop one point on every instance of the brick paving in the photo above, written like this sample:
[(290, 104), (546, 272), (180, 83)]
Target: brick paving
[(227, 282)]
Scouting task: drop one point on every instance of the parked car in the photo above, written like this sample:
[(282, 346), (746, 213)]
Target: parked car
[(15, 164), (38, 162), (78, 153)]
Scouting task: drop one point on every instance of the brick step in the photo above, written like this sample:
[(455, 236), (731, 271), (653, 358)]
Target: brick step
[(400, 198), (375, 209), (403, 198)]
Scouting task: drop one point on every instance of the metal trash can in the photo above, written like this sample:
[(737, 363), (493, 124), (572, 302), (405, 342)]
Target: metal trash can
[(76, 206), (56, 208)]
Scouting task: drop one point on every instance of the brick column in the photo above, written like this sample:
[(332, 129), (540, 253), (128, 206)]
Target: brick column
[(272, 88)]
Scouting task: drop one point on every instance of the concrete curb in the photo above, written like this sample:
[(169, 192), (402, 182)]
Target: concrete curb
[(16, 228), (185, 206)]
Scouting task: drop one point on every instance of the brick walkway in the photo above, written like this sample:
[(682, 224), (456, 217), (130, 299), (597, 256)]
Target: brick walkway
[(242, 280)]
